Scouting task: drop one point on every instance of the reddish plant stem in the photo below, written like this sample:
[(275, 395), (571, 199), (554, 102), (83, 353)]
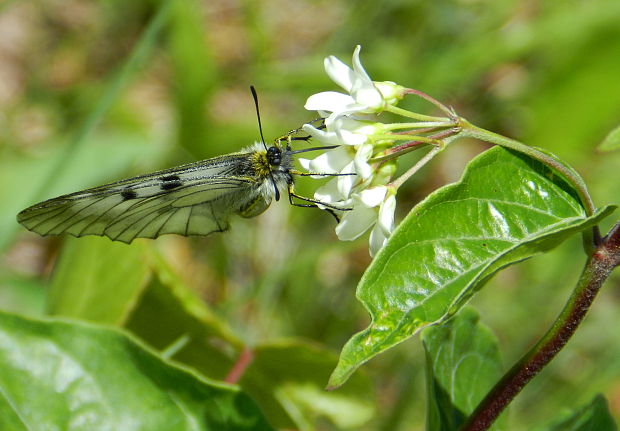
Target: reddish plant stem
[(409, 144), (238, 369), (432, 100), (416, 131), (600, 264)]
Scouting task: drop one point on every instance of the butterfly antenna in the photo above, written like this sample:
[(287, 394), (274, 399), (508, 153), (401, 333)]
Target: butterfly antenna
[(260, 126), (260, 129)]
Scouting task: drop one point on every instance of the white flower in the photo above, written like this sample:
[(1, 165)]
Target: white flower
[(350, 163), (345, 130), (385, 224), (367, 198), (341, 160), (365, 96), (372, 206)]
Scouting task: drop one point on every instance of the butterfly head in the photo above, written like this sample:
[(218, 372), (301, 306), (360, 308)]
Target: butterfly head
[(274, 156)]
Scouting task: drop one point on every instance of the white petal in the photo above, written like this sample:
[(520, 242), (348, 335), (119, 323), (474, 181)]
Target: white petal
[(328, 193), (373, 196), (346, 182), (357, 64), (305, 163), (362, 156), (350, 138), (368, 96), (377, 240), (339, 72), (331, 101), (386, 214), (331, 162), (330, 138), (354, 223)]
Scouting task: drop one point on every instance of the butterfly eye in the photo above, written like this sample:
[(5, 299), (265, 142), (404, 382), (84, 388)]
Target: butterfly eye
[(274, 156)]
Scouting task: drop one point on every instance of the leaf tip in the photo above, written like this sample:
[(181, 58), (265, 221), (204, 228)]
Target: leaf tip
[(611, 142)]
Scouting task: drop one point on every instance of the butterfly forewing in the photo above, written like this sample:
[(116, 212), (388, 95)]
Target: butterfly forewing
[(194, 199)]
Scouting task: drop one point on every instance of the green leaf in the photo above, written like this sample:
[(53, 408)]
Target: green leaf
[(462, 365), (594, 416), (287, 378), (71, 375), (98, 280), (505, 209), (611, 141), (169, 311)]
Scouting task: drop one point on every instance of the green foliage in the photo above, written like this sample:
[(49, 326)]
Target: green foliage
[(611, 141), (285, 377), (71, 375), (505, 209), (463, 363), (86, 293), (97, 91), (593, 416)]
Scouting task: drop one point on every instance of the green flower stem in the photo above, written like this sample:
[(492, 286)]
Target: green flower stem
[(415, 116), (402, 137), (438, 147), (176, 346), (419, 125), (469, 130), (415, 144), (396, 152), (599, 266)]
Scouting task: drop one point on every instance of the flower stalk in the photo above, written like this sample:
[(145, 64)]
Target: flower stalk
[(437, 148)]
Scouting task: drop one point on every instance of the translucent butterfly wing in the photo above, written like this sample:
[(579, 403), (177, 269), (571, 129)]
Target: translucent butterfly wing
[(195, 199)]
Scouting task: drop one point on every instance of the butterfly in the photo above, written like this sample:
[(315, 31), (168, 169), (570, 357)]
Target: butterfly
[(193, 199)]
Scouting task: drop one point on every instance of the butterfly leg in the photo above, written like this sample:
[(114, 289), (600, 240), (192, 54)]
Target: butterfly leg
[(288, 136), (313, 203), (318, 174)]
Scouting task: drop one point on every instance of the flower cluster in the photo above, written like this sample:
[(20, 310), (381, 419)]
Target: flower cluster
[(364, 159)]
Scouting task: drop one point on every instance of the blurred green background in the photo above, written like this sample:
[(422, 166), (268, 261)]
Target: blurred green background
[(83, 102)]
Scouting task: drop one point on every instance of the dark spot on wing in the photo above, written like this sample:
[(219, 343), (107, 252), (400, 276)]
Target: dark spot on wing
[(170, 182), (128, 194), (169, 185)]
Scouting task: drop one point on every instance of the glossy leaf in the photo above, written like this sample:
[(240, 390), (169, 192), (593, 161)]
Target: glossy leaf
[(462, 365), (611, 141), (505, 209), (77, 376), (594, 416), (98, 280)]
